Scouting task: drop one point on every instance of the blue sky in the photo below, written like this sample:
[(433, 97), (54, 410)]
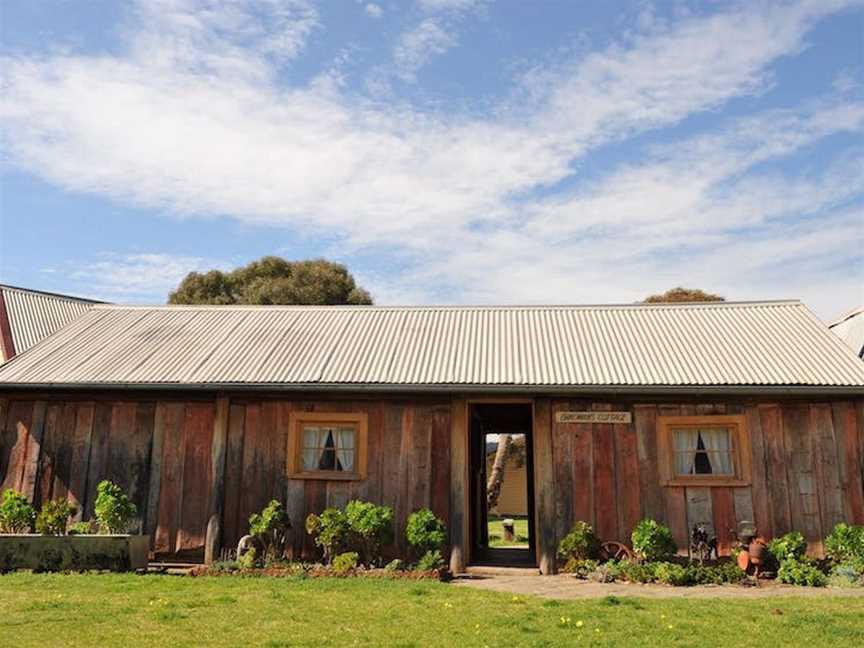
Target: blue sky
[(447, 151)]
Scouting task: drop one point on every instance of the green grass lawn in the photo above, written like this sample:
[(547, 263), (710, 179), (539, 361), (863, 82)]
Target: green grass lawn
[(496, 532), (125, 610)]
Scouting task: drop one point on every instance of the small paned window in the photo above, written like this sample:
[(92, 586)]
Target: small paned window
[(327, 445), (706, 450)]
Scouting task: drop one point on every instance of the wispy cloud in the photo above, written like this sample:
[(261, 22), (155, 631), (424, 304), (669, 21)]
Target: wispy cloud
[(191, 120)]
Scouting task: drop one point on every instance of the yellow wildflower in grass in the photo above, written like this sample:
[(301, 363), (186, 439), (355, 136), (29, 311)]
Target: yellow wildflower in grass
[(580, 623)]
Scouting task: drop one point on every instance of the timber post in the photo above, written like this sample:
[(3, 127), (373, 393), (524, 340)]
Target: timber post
[(458, 485)]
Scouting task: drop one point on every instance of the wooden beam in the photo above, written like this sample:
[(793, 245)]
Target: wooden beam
[(458, 485), (544, 490), (213, 540)]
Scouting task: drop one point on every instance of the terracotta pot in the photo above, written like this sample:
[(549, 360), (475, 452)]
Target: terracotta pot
[(744, 560), (758, 552)]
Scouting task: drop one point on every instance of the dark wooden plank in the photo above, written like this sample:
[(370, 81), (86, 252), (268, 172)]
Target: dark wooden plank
[(234, 475), (139, 447), (700, 509), (254, 489), (827, 467), (79, 463), (161, 418), (98, 466), (723, 508), (170, 490), (775, 459), (272, 462), (15, 443), (33, 452), (197, 465), (759, 492), (850, 458), (675, 501), (215, 510), (562, 456), (63, 441), (458, 485), (404, 494), (337, 494), (50, 455), (440, 481), (645, 424), (119, 458), (316, 502), (544, 492), (420, 468), (801, 476), (605, 495), (627, 481), (5, 439), (582, 442)]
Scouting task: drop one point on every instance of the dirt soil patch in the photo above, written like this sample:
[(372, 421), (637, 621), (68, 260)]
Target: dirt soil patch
[(564, 586)]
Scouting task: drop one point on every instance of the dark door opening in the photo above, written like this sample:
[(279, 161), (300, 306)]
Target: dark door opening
[(502, 484)]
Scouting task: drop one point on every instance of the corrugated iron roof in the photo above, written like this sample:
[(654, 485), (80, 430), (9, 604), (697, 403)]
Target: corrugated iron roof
[(34, 315), (729, 344), (850, 329)]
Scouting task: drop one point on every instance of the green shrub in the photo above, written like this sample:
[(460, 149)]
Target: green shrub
[(845, 542), (16, 514), (81, 528), (579, 544), (114, 510), (370, 527), (345, 562), (791, 546), (633, 572), (671, 574), (224, 567), (430, 561), (847, 574), (724, 572), (394, 565), (652, 541), (425, 532), (580, 567), (53, 517), (248, 560), (330, 531), (272, 527), (800, 572)]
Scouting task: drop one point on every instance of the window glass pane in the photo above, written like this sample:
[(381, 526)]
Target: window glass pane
[(705, 451), (685, 442), (330, 448), (718, 448)]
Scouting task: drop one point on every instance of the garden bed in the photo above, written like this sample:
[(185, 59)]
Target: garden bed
[(305, 570), (44, 553)]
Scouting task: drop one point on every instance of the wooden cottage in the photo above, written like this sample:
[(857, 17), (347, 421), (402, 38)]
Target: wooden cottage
[(702, 413)]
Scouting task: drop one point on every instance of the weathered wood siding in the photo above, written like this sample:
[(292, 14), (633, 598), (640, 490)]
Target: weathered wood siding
[(162, 453), (807, 458)]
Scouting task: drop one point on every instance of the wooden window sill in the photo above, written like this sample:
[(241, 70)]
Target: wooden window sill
[(328, 476), (707, 482)]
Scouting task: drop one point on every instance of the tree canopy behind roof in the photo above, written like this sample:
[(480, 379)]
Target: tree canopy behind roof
[(273, 280), (680, 294)]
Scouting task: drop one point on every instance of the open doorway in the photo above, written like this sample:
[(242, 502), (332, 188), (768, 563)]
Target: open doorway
[(502, 493)]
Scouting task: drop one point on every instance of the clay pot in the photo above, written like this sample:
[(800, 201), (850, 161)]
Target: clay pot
[(758, 552), (744, 560)]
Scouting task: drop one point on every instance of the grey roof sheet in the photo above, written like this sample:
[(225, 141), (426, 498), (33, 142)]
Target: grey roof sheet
[(850, 329), (34, 315), (744, 344)]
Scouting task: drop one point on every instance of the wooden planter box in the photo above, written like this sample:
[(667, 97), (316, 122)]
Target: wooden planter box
[(73, 553)]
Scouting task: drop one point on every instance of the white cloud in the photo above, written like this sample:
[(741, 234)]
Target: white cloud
[(417, 46), (450, 5), (374, 10), (191, 120), (142, 276)]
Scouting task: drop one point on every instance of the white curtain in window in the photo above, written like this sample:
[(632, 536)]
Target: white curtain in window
[(346, 448), (686, 442), (314, 439), (719, 445)]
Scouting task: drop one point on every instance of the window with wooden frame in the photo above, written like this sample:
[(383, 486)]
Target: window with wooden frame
[(324, 445), (704, 450)]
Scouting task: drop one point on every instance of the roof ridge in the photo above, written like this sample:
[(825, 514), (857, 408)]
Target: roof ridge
[(393, 307)]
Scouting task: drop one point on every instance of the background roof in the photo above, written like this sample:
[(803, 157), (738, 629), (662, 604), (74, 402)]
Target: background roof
[(32, 315), (850, 329), (744, 344)]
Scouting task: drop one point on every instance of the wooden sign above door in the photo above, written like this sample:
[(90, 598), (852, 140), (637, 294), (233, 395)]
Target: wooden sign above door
[(593, 417)]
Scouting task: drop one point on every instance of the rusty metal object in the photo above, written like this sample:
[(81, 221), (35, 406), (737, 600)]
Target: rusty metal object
[(615, 550)]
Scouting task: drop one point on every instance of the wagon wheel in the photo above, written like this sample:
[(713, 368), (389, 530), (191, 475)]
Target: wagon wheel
[(616, 551)]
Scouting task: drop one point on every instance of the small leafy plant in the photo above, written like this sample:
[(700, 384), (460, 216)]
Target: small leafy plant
[(114, 510), (791, 546), (580, 567), (330, 531), (430, 561), (425, 532), (53, 517), (371, 527), (652, 541), (845, 542), (580, 544), (249, 560), (796, 571), (345, 562), (81, 528), (272, 527), (16, 514), (847, 574)]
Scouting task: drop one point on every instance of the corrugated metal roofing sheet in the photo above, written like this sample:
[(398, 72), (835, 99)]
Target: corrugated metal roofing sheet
[(34, 315), (730, 344), (850, 329)]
